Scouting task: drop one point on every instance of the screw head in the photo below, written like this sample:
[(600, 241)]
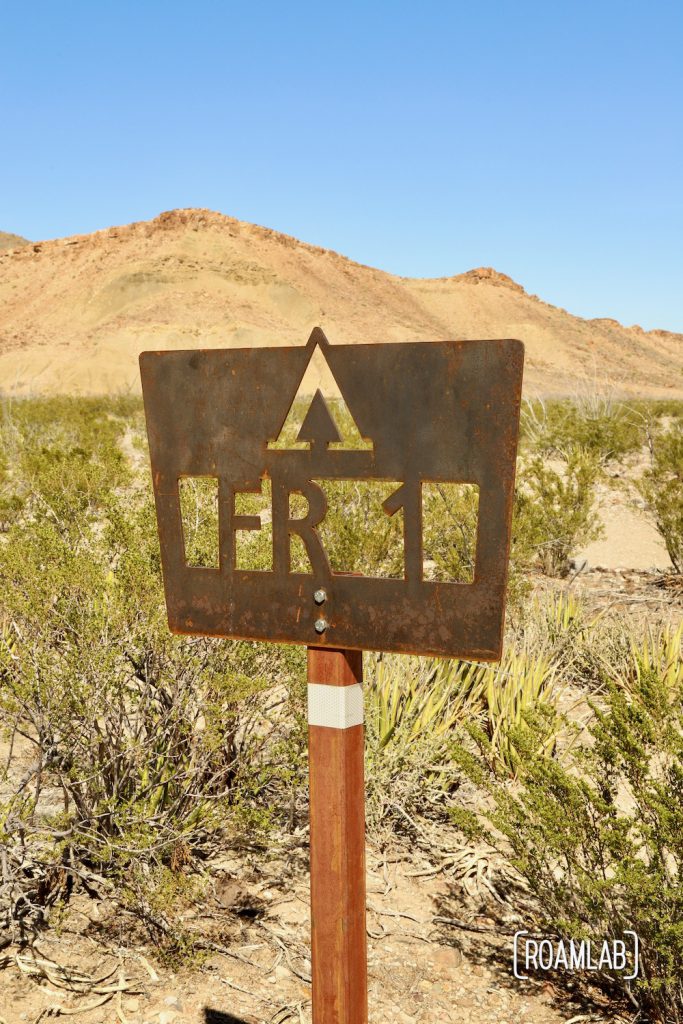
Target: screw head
[(320, 625), (320, 596)]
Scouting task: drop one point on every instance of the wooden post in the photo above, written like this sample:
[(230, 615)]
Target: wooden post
[(337, 815)]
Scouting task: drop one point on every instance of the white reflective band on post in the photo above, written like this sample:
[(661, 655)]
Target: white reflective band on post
[(337, 707)]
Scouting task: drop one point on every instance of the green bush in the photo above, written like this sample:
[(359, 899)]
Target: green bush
[(521, 684), (58, 456), (450, 514), (357, 534), (662, 488), (607, 429), (650, 410), (152, 741), (598, 837), (554, 511)]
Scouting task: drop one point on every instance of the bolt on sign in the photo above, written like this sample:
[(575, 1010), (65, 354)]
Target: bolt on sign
[(418, 416), (427, 413)]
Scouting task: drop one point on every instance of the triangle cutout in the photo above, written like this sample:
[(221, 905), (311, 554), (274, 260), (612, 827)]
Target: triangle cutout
[(319, 416), (318, 427)]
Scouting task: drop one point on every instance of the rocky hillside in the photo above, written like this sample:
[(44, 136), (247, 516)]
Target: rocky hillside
[(9, 241), (75, 312)]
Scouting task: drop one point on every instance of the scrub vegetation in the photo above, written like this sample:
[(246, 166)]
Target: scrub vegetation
[(147, 749)]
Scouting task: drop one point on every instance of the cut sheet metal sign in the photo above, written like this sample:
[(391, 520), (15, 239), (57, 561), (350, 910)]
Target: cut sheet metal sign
[(427, 412)]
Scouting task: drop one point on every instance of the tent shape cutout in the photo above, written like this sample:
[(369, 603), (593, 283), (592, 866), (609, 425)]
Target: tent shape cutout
[(318, 427), (319, 417)]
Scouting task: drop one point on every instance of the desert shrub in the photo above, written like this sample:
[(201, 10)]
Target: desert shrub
[(450, 530), (554, 511), (651, 410), (416, 708), (584, 648), (598, 835), (198, 498), (450, 517), (357, 534), (141, 739), (657, 653), (519, 686), (61, 455), (662, 488), (608, 429), (149, 720)]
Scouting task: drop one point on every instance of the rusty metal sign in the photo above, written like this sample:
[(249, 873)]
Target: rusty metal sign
[(443, 411)]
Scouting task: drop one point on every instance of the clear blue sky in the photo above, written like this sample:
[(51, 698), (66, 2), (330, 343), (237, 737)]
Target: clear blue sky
[(542, 138)]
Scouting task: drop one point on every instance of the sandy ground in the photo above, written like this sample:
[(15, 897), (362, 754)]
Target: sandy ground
[(631, 539), (421, 971)]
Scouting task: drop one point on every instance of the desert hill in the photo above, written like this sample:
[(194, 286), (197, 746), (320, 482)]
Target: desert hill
[(75, 312), (9, 241)]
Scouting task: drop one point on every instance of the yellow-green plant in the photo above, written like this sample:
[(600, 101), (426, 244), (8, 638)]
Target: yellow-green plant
[(450, 513), (607, 428), (518, 690), (563, 614), (145, 734), (583, 648), (420, 697), (414, 707), (660, 652), (199, 514)]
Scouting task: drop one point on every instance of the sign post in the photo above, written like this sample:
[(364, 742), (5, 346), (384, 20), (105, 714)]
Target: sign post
[(337, 817), (427, 413)]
